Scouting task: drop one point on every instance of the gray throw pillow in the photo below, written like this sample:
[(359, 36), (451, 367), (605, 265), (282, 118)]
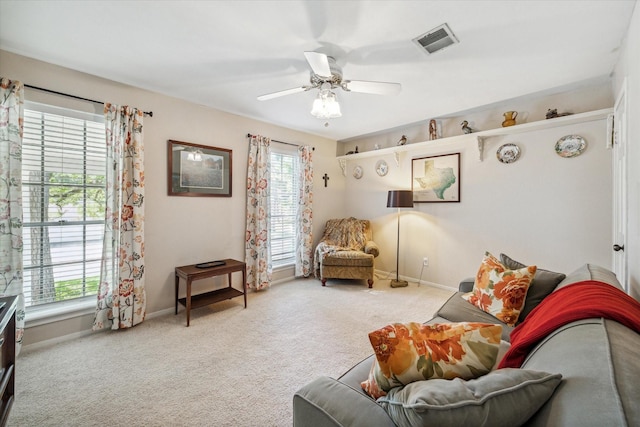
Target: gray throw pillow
[(543, 283), (505, 397)]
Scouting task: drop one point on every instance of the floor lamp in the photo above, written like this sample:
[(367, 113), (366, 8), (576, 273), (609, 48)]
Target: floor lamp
[(399, 199)]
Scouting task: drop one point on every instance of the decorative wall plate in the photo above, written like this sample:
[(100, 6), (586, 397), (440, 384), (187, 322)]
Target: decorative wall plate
[(382, 168), (570, 146), (508, 153), (357, 172)]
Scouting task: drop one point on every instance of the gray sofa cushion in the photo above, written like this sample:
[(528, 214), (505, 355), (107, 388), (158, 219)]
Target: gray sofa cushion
[(543, 283), (466, 285), (330, 403), (457, 309), (506, 397), (624, 348), (358, 373), (598, 360), (591, 272)]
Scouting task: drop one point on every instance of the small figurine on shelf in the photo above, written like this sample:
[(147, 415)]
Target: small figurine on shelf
[(403, 140), (509, 118), (433, 130), (352, 152), (552, 114), (465, 127)]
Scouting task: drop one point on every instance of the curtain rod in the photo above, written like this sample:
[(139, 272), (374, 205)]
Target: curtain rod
[(282, 142), (146, 113)]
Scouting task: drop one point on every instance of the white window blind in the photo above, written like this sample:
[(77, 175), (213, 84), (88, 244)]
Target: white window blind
[(284, 206), (63, 178)]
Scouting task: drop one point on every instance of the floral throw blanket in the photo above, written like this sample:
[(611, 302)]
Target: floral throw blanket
[(347, 234)]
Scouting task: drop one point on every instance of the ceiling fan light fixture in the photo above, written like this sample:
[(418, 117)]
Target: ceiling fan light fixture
[(326, 105)]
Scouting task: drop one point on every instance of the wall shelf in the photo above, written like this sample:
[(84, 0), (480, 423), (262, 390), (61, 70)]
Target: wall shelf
[(479, 137)]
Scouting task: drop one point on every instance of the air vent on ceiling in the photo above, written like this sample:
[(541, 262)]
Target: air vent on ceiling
[(436, 39)]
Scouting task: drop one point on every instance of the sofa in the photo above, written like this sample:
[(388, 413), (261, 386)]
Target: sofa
[(594, 363), (346, 251)]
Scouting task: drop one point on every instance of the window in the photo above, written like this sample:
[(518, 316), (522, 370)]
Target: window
[(284, 207), (63, 178)]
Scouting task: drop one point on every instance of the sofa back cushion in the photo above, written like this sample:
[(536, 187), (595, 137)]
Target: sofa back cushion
[(457, 309), (598, 360), (591, 272)]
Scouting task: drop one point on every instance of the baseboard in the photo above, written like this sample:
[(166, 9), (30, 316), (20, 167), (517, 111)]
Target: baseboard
[(387, 275), (57, 340), (432, 284), (160, 313)]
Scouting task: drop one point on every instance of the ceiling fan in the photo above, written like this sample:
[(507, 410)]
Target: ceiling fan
[(326, 75)]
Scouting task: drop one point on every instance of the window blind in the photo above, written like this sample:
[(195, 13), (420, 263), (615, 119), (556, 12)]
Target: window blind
[(63, 179), (284, 205)]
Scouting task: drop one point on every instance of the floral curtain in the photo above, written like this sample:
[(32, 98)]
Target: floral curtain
[(304, 235), (257, 246), (11, 122), (121, 296)]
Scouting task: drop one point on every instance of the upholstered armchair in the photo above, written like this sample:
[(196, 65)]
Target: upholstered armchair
[(346, 251)]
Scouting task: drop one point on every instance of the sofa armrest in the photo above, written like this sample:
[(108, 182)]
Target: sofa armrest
[(326, 402), (466, 285), (371, 248)]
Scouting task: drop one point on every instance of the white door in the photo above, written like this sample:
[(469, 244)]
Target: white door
[(619, 146)]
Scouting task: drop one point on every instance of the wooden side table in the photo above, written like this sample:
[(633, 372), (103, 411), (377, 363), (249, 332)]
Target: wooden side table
[(190, 273)]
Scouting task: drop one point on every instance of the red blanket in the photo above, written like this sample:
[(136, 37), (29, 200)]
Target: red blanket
[(582, 300)]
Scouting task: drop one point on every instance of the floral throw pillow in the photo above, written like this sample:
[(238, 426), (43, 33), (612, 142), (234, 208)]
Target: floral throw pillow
[(500, 291), (413, 351)]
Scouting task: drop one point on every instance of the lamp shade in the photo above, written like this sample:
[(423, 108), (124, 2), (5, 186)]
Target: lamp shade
[(400, 199)]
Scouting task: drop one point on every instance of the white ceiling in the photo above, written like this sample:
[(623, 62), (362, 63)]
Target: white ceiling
[(224, 54)]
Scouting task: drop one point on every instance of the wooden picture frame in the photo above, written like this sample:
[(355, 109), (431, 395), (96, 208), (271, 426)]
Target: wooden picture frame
[(198, 170), (436, 179)]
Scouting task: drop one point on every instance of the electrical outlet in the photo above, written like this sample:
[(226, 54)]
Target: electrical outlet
[(425, 262)]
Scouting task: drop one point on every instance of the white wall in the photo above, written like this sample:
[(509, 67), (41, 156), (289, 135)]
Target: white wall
[(629, 67), (543, 209), (178, 230)]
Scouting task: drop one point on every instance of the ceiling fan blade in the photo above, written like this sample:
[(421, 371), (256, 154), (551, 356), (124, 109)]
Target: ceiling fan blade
[(377, 88), (318, 63), (283, 93)]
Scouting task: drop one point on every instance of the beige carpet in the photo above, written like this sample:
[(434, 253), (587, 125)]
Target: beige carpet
[(231, 367)]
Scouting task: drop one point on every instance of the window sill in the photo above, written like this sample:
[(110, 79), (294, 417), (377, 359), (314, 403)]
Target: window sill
[(36, 316), (280, 267)]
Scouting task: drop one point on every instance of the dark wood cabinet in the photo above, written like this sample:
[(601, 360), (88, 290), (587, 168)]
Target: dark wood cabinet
[(7, 355)]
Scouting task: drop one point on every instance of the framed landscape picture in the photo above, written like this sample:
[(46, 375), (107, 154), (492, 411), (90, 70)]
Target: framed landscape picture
[(198, 170), (436, 179)]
